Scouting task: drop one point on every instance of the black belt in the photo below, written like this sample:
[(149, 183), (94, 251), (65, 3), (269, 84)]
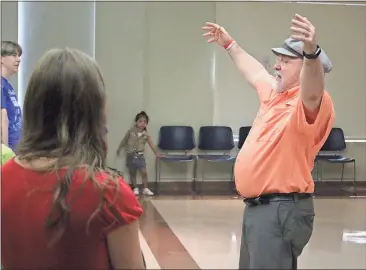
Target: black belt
[(267, 198)]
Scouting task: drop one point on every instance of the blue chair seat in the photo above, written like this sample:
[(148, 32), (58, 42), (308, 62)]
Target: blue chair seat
[(178, 158), (334, 158), (327, 157), (340, 159), (217, 158)]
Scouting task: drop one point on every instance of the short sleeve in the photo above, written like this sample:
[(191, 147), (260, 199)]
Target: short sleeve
[(120, 207), (316, 124), (264, 89), (3, 98)]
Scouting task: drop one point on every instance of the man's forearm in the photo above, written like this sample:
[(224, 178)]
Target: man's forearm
[(247, 65), (312, 83), (4, 134), (4, 127)]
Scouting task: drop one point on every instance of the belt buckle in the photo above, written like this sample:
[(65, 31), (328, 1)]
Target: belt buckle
[(257, 201), (263, 200)]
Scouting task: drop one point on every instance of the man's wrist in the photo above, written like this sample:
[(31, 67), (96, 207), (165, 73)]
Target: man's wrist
[(310, 48), (227, 46)]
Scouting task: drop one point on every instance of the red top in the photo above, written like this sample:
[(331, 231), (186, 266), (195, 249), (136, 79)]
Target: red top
[(26, 200)]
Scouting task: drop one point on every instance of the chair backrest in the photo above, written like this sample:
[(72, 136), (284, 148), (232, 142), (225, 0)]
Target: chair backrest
[(216, 138), (335, 141), (243, 134), (176, 138)]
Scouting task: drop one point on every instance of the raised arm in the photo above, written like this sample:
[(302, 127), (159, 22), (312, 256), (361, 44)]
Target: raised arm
[(248, 66), (312, 73)]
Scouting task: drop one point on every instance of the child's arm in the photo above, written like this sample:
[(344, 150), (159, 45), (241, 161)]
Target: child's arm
[(152, 146), (123, 143), (6, 153)]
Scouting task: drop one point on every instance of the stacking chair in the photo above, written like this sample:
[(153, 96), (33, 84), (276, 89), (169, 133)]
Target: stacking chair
[(243, 134), (177, 139), (216, 138), (331, 153)]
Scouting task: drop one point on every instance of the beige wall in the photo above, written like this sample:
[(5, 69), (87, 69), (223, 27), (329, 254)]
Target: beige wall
[(154, 58)]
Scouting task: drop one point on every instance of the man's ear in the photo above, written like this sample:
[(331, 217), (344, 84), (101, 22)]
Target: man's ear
[(1, 59)]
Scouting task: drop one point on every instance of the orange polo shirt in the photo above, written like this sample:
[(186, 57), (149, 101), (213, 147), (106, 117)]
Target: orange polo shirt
[(278, 154)]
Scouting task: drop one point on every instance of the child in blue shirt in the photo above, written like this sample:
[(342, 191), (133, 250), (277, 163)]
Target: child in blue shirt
[(10, 109)]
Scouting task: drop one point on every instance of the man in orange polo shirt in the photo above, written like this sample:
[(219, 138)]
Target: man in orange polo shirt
[(273, 168)]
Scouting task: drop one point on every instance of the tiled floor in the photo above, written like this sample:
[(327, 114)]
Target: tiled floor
[(204, 233)]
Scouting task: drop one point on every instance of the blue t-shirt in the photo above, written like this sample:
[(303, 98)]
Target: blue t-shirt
[(9, 101)]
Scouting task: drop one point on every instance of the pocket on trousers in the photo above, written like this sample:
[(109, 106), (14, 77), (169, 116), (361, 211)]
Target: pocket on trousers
[(297, 224), (302, 231)]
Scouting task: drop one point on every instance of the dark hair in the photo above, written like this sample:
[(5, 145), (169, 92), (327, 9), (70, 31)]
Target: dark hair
[(9, 48), (67, 124), (142, 114)]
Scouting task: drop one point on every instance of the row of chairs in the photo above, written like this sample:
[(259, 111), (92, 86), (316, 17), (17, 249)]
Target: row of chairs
[(182, 138), (220, 139)]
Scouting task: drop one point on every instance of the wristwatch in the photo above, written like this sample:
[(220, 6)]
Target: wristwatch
[(313, 55)]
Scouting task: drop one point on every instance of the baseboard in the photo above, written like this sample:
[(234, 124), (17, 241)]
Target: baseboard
[(322, 188)]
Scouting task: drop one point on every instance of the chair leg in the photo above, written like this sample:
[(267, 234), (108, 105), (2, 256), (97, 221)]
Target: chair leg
[(194, 187), (202, 177), (317, 170), (320, 173), (342, 172), (233, 178), (354, 178), (342, 186), (232, 173), (156, 176)]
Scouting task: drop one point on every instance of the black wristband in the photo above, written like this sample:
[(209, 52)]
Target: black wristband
[(313, 55)]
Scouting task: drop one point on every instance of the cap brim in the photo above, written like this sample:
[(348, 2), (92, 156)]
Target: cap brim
[(327, 64), (283, 51)]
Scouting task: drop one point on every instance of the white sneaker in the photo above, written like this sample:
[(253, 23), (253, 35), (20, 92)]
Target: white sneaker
[(136, 191), (147, 192)]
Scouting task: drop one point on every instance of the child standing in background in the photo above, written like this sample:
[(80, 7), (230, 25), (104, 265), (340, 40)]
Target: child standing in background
[(134, 143)]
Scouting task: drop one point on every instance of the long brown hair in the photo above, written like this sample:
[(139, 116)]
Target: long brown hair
[(64, 121)]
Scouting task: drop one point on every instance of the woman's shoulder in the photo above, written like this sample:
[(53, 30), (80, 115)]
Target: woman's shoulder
[(112, 181), (120, 206), (113, 186)]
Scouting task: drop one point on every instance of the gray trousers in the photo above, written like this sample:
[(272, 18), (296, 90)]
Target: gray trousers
[(274, 234)]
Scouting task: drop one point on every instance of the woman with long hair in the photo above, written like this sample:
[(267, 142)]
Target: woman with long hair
[(62, 208)]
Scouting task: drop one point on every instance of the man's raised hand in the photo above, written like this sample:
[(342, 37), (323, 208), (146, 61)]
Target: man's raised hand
[(303, 30), (216, 33)]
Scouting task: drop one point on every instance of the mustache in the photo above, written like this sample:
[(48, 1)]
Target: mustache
[(278, 74)]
